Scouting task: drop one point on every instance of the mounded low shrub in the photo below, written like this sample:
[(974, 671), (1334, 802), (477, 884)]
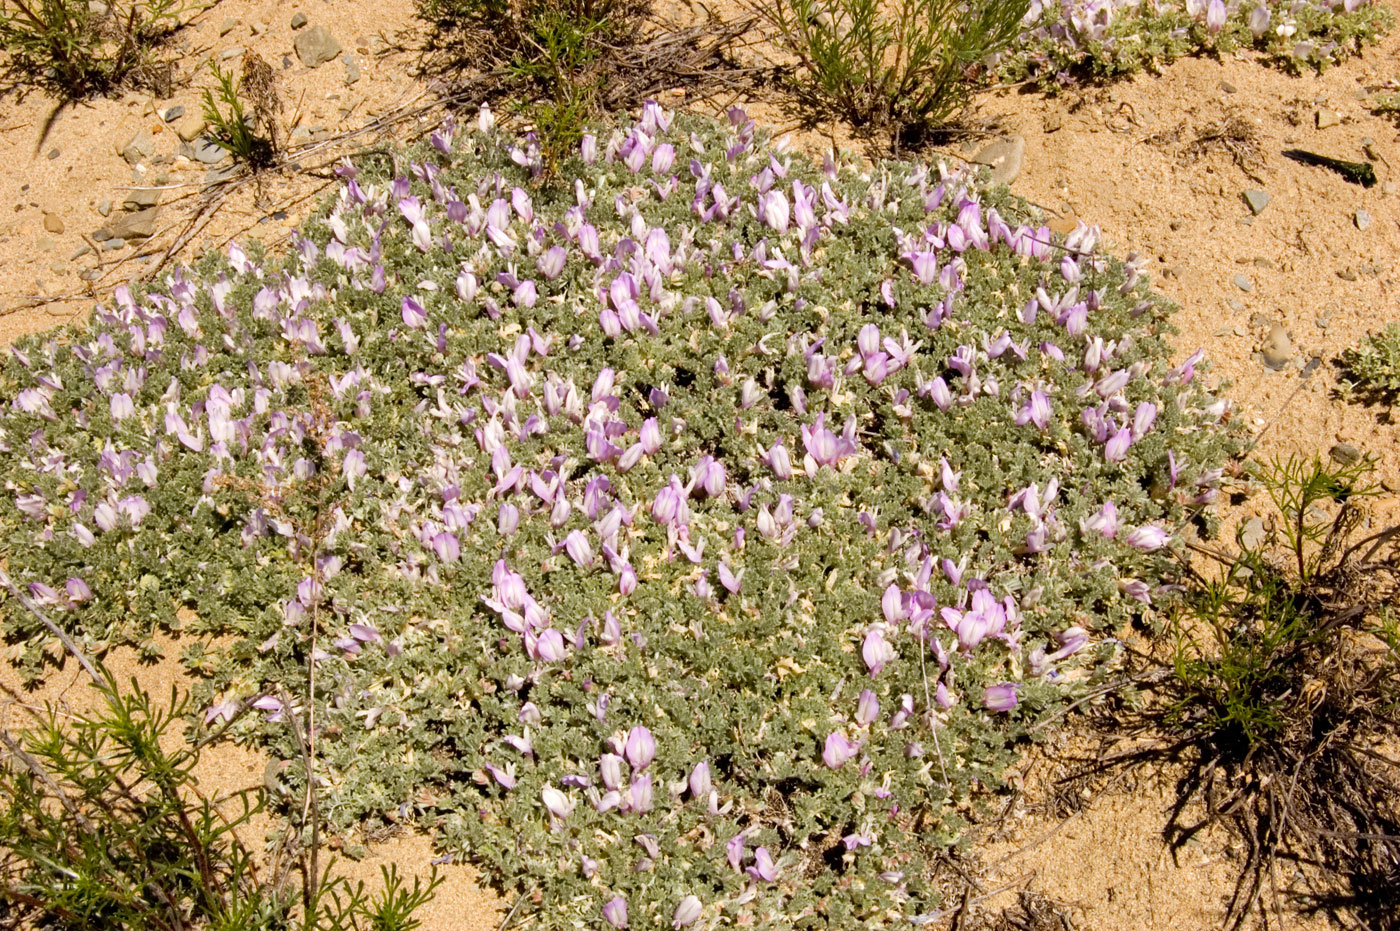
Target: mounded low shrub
[(686, 540), (1101, 39)]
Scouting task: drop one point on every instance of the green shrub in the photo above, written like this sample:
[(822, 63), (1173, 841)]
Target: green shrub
[(233, 129), (904, 68), (79, 48), (1287, 676), (699, 531), (1373, 368)]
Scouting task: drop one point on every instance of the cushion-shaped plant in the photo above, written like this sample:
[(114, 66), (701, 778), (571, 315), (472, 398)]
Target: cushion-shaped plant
[(684, 541)]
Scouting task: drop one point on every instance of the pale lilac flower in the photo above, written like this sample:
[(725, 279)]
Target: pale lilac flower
[(876, 651), (447, 547), (687, 912), (699, 781), (580, 550), (1036, 411), (1143, 418), (1001, 698), (763, 866), (559, 804), (1259, 21), (414, 316), (838, 750), (734, 851), (504, 776), (1148, 538), (640, 748), (508, 519), (729, 579), (773, 210), (550, 646), (779, 461), (867, 708), (1215, 15), (615, 912), (640, 794), (610, 769), (1116, 449), (1104, 522)]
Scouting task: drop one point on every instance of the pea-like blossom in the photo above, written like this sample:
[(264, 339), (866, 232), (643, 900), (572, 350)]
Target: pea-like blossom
[(876, 651), (559, 804), (1036, 411), (1148, 538), (688, 911), (838, 750), (699, 780), (763, 866), (1001, 698), (615, 912), (867, 708), (640, 748), (774, 211)]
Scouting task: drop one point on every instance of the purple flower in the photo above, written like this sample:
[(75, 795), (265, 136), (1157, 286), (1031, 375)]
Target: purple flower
[(1036, 411), (699, 780), (640, 748), (1215, 15), (1001, 698), (414, 316), (1116, 449), (731, 581), (1148, 538), (925, 266), (550, 646), (824, 446), (1104, 522), (508, 519), (838, 750), (615, 912), (763, 866), (779, 461), (447, 547), (578, 547), (78, 590), (734, 851), (876, 651)]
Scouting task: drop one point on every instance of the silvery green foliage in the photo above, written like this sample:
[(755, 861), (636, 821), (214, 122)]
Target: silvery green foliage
[(685, 541), (1100, 39), (1374, 365)]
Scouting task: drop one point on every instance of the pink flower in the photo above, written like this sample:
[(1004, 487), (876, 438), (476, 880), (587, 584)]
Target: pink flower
[(876, 651), (838, 750), (414, 316), (1001, 698)]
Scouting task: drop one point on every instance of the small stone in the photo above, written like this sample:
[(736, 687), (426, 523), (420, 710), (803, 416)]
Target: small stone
[(190, 127), (258, 27), (316, 46), (1261, 261), (1053, 122), (89, 274), (1256, 201), (141, 198), (171, 114), (352, 69), (1389, 187), (286, 62), (1004, 156), (1278, 348), (116, 242), (298, 19), (104, 206), (1347, 274), (1344, 454), (53, 223), (1362, 219), (233, 52), (1327, 118), (45, 244), (79, 253), (138, 225), (208, 152), (53, 154), (1236, 304), (227, 26), (102, 234), (1243, 283), (1226, 87), (138, 147)]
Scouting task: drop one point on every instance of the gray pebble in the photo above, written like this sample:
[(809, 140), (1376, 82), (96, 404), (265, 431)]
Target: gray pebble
[(53, 154), (1257, 201), (227, 26), (352, 69), (1236, 305), (1243, 283), (1344, 454), (233, 52), (171, 114), (1362, 218), (298, 19), (316, 46), (113, 244), (100, 235), (104, 206), (206, 151)]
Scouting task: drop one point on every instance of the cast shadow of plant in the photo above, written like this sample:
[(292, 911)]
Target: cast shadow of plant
[(1282, 683)]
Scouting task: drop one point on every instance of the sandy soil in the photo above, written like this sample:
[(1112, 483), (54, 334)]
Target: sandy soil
[(1117, 158)]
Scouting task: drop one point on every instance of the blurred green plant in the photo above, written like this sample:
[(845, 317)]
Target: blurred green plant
[(104, 827), (77, 48), (904, 68), (1373, 367)]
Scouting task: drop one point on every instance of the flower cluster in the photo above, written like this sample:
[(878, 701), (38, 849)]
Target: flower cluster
[(1103, 38), (667, 536)]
